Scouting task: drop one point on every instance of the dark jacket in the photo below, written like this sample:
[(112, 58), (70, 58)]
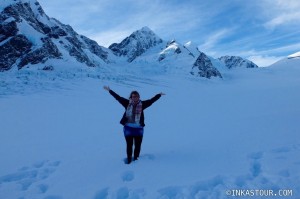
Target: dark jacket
[(125, 102)]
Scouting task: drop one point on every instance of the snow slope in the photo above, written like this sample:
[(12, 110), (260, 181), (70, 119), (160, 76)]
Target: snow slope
[(61, 138), (291, 61), (294, 55)]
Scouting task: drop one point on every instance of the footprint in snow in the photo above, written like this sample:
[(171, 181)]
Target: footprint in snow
[(297, 163), (255, 167), (256, 156), (27, 176), (120, 193), (53, 197), (128, 176), (142, 157), (123, 193), (281, 150), (147, 156), (102, 194)]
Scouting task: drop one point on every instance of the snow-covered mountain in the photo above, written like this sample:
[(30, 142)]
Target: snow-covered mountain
[(236, 61), (136, 44), (292, 60), (171, 57), (29, 36), (172, 48), (168, 57)]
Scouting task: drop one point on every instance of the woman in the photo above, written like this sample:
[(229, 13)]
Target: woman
[(133, 120)]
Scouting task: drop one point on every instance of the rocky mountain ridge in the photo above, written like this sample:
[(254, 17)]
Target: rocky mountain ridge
[(236, 61), (28, 37)]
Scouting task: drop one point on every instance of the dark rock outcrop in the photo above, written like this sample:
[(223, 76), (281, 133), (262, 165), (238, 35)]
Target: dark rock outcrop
[(95, 48), (41, 55), (48, 68), (8, 30), (203, 67), (12, 50), (236, 61)]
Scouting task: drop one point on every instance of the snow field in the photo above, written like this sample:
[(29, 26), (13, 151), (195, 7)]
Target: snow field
[(203, 138)]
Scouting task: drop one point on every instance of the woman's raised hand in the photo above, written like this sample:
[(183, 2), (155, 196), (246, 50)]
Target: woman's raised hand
[(106, 88), (161, 93)]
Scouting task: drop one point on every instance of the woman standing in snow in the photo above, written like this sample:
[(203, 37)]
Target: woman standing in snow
[(133, 120)]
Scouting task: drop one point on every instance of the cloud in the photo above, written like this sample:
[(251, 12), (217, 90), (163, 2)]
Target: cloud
[(264, 61), (167, 20), (287, 49), (267, 57), (282, 19), (282, 12), (107, 38), (73, 12), (212, 40)]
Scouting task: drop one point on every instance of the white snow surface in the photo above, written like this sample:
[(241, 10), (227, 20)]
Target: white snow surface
[(292, 61), (297, 54), (60, 135)]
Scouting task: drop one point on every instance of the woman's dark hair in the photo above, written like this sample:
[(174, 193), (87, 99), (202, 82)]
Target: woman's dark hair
[(134, 93)]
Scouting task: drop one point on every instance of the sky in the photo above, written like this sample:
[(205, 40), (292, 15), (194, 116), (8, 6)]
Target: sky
[(263, 31)]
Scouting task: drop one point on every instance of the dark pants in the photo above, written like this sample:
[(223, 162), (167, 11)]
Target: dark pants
[(137, 141)]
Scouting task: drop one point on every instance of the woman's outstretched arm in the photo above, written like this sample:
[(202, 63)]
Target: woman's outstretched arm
[(120, 99), (149, 102)]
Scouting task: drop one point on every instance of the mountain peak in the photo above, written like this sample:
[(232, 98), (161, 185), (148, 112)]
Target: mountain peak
[(236, 61), (29, 37), (136, 44), (146, 29)]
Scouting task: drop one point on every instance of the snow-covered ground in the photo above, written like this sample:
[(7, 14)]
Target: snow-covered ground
[(60, 137)]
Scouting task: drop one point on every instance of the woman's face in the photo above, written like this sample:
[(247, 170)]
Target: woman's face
[(135, 97)]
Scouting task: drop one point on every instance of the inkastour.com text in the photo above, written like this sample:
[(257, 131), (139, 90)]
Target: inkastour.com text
[(259, 192)]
